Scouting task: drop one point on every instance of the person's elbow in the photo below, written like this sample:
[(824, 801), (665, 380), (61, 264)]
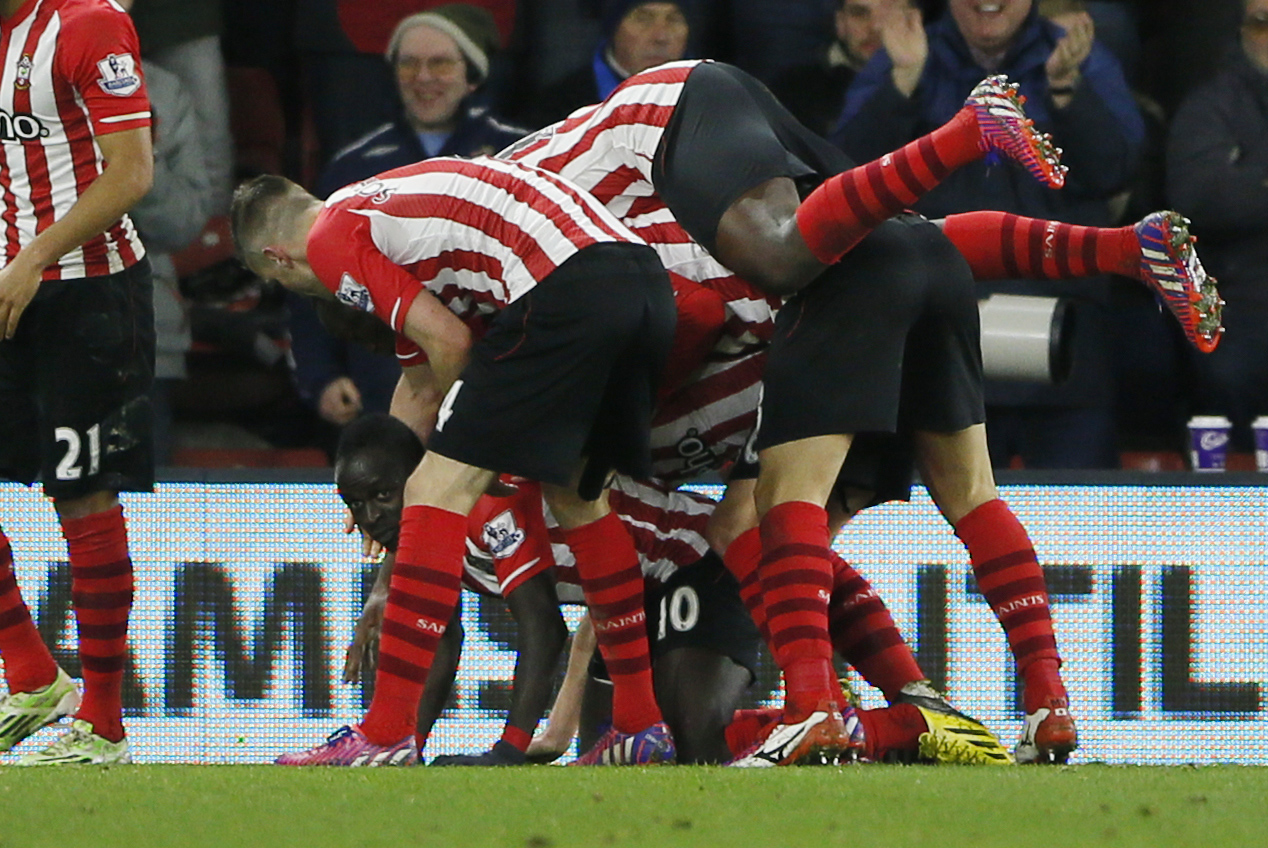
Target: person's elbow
[(135, 180)]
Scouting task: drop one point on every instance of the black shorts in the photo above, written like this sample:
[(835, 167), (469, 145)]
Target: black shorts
[(569, 370), (886, 340), (727, 135), (74, 386), (882, 464), (697, 607)]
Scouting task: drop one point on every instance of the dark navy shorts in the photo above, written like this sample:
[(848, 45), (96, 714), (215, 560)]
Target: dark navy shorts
[(729, 134), (569, 370), (74, 387)]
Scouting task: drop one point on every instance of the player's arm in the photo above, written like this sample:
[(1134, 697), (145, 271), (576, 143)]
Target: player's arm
[(441, 334), (417, 398), (362, 655), (127, 177), (542, 634), (565, 714)]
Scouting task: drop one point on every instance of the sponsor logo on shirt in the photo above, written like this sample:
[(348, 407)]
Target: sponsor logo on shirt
[(118, 74), (21, 127), (502, 535), (354, 294)]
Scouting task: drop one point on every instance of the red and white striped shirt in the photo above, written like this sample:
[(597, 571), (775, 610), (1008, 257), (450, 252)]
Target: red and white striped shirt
[(667, 525), (71, 73), (608, 149), (477, 233)]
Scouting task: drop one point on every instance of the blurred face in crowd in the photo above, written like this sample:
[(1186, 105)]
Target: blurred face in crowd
[(858, 25), (431, 76), (650, 34), (372, 486), (1255, 33), (989, 26)]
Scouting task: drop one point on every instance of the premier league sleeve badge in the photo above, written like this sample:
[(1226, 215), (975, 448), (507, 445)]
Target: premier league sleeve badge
[(118, 74)]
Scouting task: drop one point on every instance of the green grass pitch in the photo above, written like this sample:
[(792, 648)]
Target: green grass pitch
[(540, 807)]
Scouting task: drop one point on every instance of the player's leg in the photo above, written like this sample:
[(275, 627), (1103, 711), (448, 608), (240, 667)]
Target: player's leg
[(96, 433), (440, 678), (423, 593), (422, 596), (698, 690), (796, 583), (1157, 250), (956, 468), (752, 218), (37, 691), (540, 637), (704, 649), (612, 581)]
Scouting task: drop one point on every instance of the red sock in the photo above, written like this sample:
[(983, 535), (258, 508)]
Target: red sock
[(895, 728), (846, 207), (742, 558), (747, 726), (1000, 246), (607, 565), (864, 634), (516, 738), (28, 665), (1011, 579), (421, 598), (796, 575), (101, 592)]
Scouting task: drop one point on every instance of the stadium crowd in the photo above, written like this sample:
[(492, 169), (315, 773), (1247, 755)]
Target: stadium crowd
[(737, 247)]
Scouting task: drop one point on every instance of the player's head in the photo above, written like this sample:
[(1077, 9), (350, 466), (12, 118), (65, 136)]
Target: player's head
[(440, 56), (644, 33), (375, 457), (270, 218)]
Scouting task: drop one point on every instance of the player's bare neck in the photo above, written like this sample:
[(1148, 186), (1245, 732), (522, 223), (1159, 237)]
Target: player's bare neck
[(8, 8)]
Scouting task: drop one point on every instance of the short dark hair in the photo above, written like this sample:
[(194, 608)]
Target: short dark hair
[(257, 207), (378, 431)]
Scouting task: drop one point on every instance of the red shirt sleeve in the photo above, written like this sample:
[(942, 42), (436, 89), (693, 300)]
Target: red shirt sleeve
[(98, 52), (344, 257)]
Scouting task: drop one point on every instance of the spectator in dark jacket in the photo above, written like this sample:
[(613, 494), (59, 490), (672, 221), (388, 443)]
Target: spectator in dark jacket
[(815, 91), (1076, 91), (440, 58), (637, 35), (1217, 172)]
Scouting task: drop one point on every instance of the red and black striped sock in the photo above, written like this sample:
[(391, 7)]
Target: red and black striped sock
[(796, 574), (426, 581), (846, 207), (1000, 246), (607, 565), (1011, 579), (28, 665), (101, 588), (864, 633), (743, 557)]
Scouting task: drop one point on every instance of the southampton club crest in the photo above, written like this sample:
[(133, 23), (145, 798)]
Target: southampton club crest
[(118, 74), (502, 535), (354, 294), (23, 80)]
